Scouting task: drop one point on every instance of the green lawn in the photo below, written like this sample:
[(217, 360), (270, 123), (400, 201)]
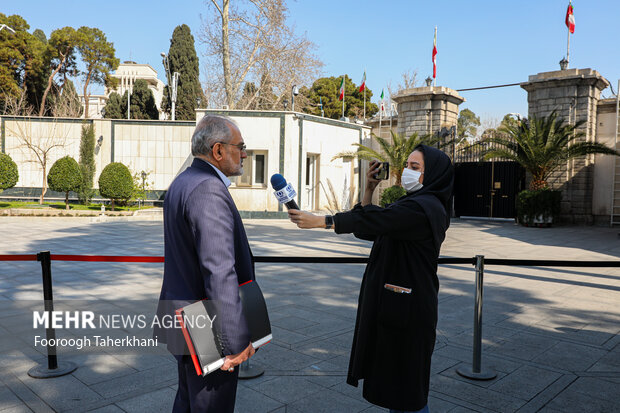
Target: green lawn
[(61, 205)]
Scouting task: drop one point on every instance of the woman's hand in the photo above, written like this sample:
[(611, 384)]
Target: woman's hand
[(371, 182), (305, 219)]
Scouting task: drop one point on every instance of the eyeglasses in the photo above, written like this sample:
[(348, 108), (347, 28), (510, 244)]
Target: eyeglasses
[(241, 146)]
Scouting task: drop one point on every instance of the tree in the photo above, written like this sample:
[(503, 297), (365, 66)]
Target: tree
[(142, 102), (23, 63), (12, 49), (467, 124), (395, 152), (36, 68), (541, 145), (248, 41), (326, 90), (61, 49), (9, 175), (65, 176), (87, 163), (98, 56), (182, 58), (68, 103), (116, 182), (40, 144), (115, 107)]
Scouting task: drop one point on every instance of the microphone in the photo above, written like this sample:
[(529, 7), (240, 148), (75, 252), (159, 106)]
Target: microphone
[(285, 194)]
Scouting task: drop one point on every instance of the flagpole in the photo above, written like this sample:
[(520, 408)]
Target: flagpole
[(343, 93), (364, 102), (568, 48), (435, 78)]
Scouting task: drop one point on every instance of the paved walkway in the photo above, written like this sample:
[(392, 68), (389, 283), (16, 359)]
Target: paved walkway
[(552, 335)]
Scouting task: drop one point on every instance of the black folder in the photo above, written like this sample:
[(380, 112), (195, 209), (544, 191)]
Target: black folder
[(203, 338)]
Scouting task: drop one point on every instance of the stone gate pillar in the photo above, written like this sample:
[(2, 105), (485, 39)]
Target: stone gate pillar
[(427, 109), (573, 94)]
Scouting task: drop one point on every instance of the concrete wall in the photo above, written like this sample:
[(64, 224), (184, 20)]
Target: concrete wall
[(163, 149)]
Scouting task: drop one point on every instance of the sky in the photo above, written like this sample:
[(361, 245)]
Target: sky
[(479, 42)]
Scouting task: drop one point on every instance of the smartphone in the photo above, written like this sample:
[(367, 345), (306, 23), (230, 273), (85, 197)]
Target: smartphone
[(384, 171)]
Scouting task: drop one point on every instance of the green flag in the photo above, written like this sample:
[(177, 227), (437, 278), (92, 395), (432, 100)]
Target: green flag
[(381, 94)]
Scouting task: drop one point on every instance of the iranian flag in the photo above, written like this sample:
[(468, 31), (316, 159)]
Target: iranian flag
[(435, 54), (341, 95), (570, 18), (363, 85)]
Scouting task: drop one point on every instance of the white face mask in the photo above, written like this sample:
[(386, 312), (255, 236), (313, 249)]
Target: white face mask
[(411, 180)]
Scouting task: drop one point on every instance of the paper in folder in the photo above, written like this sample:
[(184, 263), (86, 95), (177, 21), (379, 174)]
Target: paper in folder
[(203, 342)]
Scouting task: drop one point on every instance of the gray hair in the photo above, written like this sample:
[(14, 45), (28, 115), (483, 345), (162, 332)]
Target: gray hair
[(210, 130)]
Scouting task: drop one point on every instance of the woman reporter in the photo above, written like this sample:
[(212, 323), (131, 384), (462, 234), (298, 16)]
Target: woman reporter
[(397, 309)]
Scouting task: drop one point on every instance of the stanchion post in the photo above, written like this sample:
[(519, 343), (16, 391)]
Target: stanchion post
[(248, 371), (475, 372), (53, 369), (48, 300)]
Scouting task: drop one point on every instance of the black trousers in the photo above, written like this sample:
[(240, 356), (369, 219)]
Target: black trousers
[(214, 393)]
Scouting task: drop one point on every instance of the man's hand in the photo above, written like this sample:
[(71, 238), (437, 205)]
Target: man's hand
[(306, 219), (235, 359)]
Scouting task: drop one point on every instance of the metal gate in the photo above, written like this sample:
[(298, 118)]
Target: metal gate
[(487, 189)]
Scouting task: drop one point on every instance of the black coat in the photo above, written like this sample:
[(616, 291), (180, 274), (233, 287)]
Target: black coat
[(395, 332)]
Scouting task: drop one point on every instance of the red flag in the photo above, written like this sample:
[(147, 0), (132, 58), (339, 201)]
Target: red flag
[(341, 92), (570, 18), (363, 85), (435, 54)]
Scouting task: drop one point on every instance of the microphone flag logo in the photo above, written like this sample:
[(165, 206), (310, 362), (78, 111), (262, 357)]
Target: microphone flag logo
[(285, 194)]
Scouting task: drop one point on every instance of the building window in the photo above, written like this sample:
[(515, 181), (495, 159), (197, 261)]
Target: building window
[(254, 169)]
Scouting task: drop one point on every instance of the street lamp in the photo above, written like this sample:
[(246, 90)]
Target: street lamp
[(294, 92), (144, 175), (172, 83), (429, 81)]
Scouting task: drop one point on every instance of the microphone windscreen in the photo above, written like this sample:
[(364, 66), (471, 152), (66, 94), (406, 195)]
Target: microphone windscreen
[(278, 182)]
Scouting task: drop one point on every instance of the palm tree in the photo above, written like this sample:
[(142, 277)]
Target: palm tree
[(541, 145), (396, 153)]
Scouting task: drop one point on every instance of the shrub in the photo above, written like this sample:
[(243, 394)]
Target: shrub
[(542, 205), (87, 163), (391, 194), (65, 176), (8, 172), (116, 182)]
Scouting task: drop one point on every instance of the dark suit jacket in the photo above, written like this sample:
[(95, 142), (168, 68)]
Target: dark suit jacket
[(207, 255)]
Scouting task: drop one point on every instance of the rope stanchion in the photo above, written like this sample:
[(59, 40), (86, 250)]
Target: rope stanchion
[(18, 257), (106, 258), (476, 372), (53, 368)]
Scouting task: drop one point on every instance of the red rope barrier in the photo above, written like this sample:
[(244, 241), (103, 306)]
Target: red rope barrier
[(15, 257), (106, 258)]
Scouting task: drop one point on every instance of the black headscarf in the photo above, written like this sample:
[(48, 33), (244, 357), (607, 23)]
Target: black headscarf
[(434, 197)]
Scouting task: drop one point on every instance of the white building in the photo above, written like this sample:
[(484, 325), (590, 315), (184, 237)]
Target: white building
[(128, 72)]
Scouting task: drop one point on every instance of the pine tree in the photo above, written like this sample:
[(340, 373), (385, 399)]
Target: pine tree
[(183, 59), (142, 102), (114, 108)]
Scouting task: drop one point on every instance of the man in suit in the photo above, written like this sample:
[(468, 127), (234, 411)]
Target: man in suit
[(207, 255)]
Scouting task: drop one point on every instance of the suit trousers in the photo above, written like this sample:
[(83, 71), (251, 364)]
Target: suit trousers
[(214, 393)]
